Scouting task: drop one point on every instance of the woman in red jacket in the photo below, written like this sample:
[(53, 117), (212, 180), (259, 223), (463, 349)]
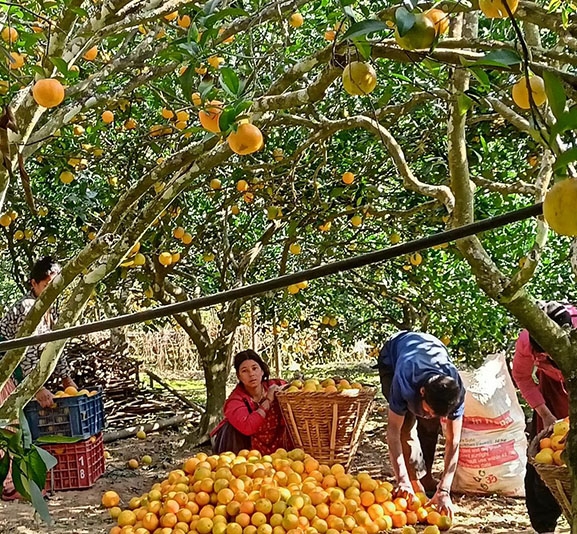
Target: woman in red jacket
[(252, 408)]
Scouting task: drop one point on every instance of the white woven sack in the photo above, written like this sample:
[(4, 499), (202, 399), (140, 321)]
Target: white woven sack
[(493, 449)]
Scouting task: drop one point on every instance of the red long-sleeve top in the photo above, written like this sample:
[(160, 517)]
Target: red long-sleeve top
[(526, 359), (267, 433)]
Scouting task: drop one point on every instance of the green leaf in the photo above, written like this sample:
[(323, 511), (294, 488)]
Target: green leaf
[(555, 93), (566, 121), (205, 87), (79, 11), (210, 7), (497, 58), (229, 12), (227, 118), (36, 467), (40, 504), (19, 478), (60, 64), (565, 158), (481, 76), (242, 106), (464, 103), (345, 3), (405, 20), (25, 428), (187, 80), (364, 27), (229, 81), (49, 460), (58, 439), (363, 47)]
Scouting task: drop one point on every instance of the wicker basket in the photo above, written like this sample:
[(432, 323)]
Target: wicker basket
[(556, 477), (327, 426)]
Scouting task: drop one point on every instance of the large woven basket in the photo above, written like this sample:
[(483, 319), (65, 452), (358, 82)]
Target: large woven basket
[(327, 426), (556, 477)]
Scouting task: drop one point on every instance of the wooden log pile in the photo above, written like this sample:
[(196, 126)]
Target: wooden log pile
[(128, 401)]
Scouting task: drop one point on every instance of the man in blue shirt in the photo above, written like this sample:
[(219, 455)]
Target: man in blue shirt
[(421, 385)]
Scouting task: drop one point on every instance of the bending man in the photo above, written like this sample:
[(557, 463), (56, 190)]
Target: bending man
[(421, 385)]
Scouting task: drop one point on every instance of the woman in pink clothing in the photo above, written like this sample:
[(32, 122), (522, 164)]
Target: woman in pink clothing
[(252, 407), (549, 399)]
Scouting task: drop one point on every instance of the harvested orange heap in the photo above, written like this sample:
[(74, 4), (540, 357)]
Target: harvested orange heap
[(284, 493), (552, 447), (329, 385)]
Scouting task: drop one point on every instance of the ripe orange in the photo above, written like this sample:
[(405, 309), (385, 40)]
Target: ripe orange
[(246, 140), (210, 116), (17, 60), (420, 37), (150, 521), (126, 518), (107, 116), (48, 92), (520, 93), (348, 178), (558, 212), (399, 519), (90, 55), (110, 499), (9, 34), (359, 78), (296, 20), (495, 9), (440, 19)]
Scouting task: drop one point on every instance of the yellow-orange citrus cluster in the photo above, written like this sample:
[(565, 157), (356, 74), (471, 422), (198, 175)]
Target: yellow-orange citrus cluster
[(282, 493)]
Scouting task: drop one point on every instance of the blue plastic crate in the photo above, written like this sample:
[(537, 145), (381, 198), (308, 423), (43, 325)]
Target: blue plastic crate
[(81, 417)]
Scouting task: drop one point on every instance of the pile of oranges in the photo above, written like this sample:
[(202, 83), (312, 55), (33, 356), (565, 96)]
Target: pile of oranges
[(329, 385), (282, 493), (551, 448)]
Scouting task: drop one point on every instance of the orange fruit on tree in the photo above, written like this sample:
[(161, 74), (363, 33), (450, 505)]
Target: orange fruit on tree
[(348, 178), (90, 54), (210, 116), (520, 92), (440, 19), (184, 21), (421, 35), (558, 210), (110, 499), (107, 117), (359, 78), (495, 9), (16, 60), (296, 20), (245, 140), (9, 34)]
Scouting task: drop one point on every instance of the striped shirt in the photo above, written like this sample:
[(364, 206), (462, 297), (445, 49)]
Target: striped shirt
[(11, 323)]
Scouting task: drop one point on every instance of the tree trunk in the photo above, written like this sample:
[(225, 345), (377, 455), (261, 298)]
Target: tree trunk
[(216, 368)]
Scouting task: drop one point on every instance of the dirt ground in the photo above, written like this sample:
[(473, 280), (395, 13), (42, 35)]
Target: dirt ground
[(79, 512)]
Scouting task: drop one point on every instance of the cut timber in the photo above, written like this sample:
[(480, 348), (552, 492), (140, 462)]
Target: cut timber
[(196, 407), (150, 427)]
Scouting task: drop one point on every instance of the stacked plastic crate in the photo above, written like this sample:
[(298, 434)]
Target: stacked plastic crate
[(80, 463)]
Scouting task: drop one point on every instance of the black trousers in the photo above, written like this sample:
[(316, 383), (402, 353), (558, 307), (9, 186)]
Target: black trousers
[(418, 435), (543, 508)]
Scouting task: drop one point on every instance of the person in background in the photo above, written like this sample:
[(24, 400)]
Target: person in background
[(550, 402), (43, 271), (421, 385), (252, 407)]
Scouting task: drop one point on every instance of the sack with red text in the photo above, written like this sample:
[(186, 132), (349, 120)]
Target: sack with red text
[(493, 449)]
